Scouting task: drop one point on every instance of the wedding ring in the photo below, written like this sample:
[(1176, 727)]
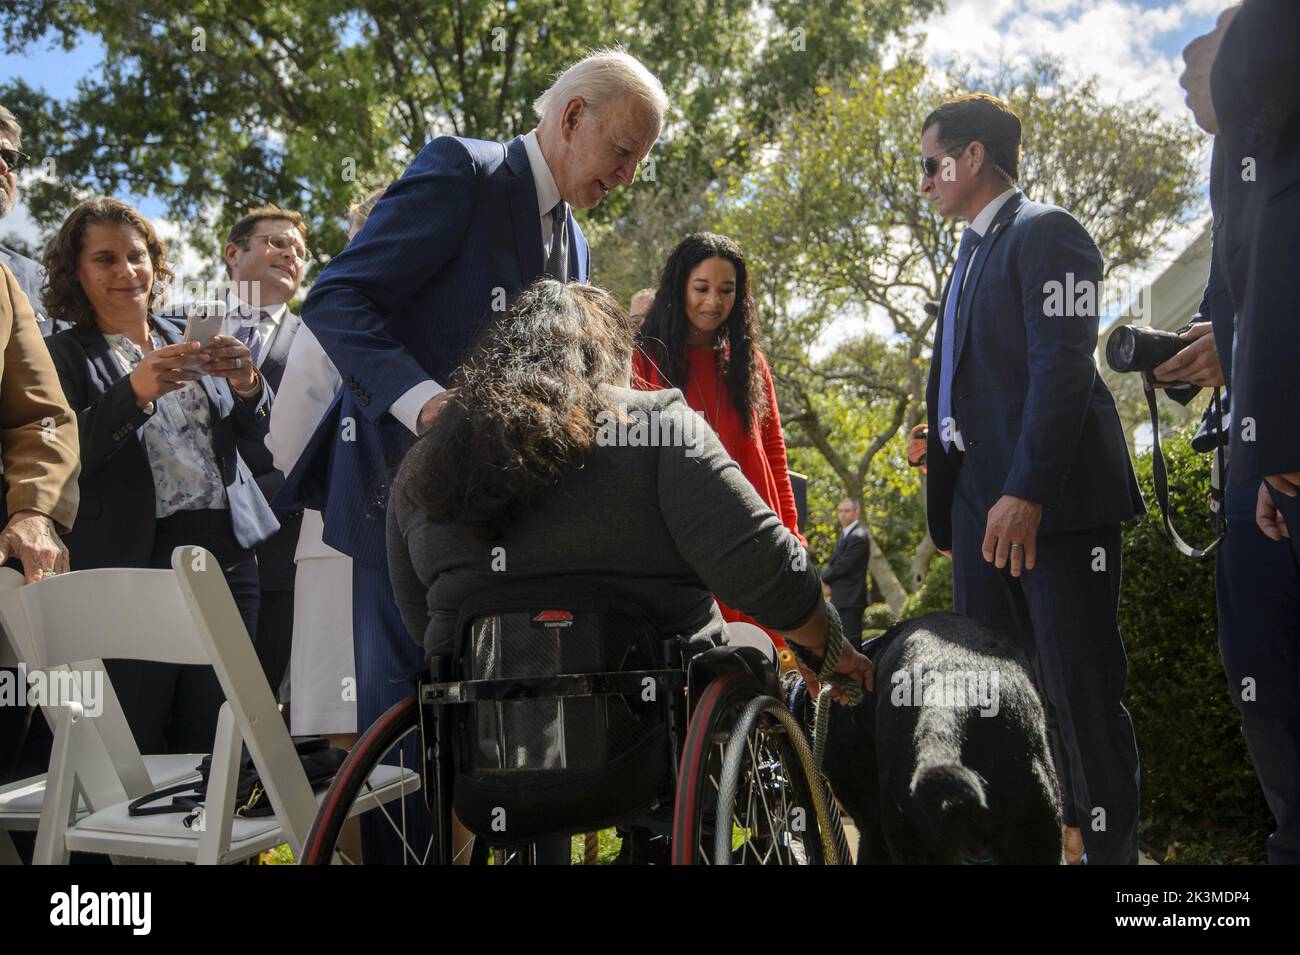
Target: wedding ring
[(239, 363), (1017, 544)]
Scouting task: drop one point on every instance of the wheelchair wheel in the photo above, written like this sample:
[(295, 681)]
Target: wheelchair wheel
[(776, 800), (777, 814), (379, 773)]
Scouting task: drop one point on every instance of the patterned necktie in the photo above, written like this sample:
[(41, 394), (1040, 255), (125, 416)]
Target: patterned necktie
[(247, 333), (947, 426), (557, 263)]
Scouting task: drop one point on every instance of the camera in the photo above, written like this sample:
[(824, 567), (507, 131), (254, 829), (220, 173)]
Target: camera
[(1135, 348)]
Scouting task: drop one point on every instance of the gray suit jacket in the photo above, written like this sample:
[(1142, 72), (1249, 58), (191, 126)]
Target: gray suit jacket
[(664, 527), (31, 276)]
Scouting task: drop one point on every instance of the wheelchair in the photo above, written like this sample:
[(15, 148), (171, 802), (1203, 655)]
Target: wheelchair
[(562, 710)]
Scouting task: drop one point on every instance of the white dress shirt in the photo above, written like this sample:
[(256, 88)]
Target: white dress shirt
[(981, 223), (406, 409)]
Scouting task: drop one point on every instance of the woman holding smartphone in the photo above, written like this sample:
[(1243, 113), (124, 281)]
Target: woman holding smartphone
[(159, 468)]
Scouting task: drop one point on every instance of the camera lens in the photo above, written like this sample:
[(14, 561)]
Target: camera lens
[(1121, 348)]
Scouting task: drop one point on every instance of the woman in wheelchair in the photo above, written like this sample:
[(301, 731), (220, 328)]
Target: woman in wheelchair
[(543, 462), (554, 521)]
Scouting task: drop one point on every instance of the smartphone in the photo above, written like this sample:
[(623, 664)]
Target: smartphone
[(203, 321)]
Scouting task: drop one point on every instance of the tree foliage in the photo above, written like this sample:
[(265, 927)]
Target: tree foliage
[(848, 248), (216, 105)]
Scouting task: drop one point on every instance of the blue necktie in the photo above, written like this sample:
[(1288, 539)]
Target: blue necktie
[(969, 240), (248, 335)]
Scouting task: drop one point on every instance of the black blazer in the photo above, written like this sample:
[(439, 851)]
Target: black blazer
[(847, 570), (1255, 82), (1037, 420), (115, 524)]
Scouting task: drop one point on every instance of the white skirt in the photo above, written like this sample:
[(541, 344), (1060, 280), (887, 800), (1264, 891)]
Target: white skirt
[(322, 672)]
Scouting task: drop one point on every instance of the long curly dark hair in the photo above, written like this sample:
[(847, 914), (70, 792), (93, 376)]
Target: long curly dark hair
[(662, 337), (525, 410), (63, 295)]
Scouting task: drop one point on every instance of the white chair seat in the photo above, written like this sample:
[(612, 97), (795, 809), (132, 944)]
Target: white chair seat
[(20, 802), (113, 831)]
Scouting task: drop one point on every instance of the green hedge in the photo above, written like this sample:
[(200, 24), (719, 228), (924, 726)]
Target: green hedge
[(1200, 799), (935, 592)]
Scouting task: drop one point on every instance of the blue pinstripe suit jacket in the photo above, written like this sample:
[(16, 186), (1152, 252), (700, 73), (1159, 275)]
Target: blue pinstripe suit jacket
[(450, 241)]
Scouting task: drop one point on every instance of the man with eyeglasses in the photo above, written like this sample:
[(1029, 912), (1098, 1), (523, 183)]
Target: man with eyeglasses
[(1028, 469), (29, 273), (266, 257)]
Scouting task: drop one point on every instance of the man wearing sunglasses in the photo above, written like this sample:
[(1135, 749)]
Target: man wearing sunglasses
[(29, 273), (1028, 469)]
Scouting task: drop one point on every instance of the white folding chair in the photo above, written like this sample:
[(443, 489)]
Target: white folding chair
[(21, 800), (186, 616)]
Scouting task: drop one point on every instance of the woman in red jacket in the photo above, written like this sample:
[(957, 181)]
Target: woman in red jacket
[(701, 337)]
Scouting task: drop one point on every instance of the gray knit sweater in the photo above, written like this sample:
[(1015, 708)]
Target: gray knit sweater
[(665, 527)]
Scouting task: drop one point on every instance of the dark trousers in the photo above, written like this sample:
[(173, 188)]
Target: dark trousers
[(172, 708), (385, 656), (852, 620), (1064, 615), (274, 635), (1257, 583)]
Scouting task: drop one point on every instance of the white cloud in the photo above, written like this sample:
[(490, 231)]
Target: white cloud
[(1116, 40)]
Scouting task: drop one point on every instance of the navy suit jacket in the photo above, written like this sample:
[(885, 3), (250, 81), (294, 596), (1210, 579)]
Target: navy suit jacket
[(847, 570), (115, 523), (1035, 416), (447, 245), (1256, 86)]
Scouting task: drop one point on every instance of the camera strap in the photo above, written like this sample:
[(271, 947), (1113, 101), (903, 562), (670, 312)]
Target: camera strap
[(1160, 477)]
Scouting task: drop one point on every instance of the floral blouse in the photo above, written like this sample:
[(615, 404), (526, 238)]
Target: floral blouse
[(177, 439)]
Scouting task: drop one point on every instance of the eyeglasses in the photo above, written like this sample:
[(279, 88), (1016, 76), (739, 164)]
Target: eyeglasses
[(14, 158), (282, 242), (930, 164)]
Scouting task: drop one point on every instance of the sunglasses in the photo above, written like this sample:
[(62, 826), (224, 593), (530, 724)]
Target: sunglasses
[(14, 159), (930, 164)]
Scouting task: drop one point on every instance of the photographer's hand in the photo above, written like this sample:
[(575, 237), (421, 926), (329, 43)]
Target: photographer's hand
[(1197, 364), (1268, 517), (1012, 521)]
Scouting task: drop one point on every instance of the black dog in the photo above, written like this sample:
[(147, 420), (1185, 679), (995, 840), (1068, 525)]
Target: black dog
[(948, 761)]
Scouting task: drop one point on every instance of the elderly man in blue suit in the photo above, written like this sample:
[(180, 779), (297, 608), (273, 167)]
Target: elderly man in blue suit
[(467, 226), (1029, 473)]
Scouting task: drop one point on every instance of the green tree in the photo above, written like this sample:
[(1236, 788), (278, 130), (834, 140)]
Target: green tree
[(849, 248), (214, 105)]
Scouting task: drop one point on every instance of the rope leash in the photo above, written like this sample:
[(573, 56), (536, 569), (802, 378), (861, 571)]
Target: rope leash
[(828, 679)]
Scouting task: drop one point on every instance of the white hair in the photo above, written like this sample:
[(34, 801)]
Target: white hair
[(600, 78)]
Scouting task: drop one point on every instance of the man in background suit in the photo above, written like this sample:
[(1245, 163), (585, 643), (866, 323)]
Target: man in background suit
[(1029, 474), (1255, 83), (467, 226), (265, 257), (29, 274), (845, 578), (1255, 167)]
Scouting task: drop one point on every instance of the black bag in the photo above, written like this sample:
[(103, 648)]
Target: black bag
[(532, 768), (320, 762)]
